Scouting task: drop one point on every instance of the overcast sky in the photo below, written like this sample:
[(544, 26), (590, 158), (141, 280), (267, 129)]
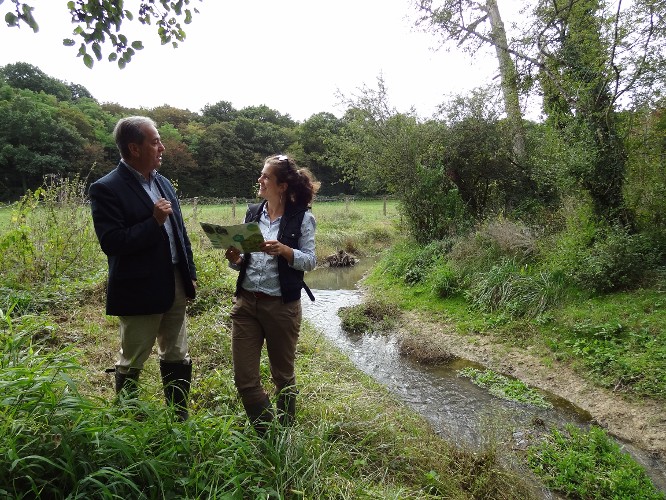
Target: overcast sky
[(291, 55)]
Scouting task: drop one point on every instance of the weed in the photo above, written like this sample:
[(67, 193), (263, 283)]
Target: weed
[(590, 465)]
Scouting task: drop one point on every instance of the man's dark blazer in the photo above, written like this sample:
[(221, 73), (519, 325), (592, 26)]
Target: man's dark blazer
[(141, 277)]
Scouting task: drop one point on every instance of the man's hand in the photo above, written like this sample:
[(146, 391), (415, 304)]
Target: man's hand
[(162, 210)]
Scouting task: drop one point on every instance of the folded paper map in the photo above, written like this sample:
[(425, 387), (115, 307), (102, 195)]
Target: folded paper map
[(245, 237)]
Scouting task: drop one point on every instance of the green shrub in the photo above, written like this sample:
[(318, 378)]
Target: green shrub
[(597, 257), (50, 250), (444, 280), (616, 260), (432, 207), (411, 262), (495, 241), (370, 316), (515, 289)]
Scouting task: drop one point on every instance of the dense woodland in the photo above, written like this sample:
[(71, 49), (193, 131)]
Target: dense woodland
[(54, 127)]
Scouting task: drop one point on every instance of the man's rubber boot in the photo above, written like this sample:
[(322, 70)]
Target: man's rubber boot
[(177, 379)]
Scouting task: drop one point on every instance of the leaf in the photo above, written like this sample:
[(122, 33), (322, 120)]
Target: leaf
[(68, 42), (96, 48), (11, 19), (138, 45), (88, 60)]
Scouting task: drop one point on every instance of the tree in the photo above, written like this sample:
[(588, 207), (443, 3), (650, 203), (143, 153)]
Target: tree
[(98, 20), (26, 76), (177, 161), (315, 137), (35, 139), (473, 24), (580, 98), (179, 118), (477, 156), (586, 56), (222, 111)]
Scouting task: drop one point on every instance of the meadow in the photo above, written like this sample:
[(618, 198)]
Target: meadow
[(65, 436)]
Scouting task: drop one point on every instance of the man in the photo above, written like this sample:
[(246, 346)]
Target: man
[(140, 228)]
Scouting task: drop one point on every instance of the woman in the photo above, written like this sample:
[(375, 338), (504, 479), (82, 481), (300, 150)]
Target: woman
[(268, 289)]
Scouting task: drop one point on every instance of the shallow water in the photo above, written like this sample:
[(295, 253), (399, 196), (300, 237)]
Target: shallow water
[(457, 409)]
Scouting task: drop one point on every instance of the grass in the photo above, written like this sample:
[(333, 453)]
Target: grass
[(359, 227), (64, 437), (589, 465), (616, 340), (5, 215)]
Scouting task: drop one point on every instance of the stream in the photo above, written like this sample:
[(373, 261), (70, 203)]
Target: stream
[(457, 410)]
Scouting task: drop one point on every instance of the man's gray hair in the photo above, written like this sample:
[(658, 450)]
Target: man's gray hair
[(130, 130)]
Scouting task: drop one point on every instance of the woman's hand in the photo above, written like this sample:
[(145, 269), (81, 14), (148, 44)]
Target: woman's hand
[(272, 247), (233, 255)]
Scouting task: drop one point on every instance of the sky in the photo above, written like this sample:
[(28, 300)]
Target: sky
[(294, 56)]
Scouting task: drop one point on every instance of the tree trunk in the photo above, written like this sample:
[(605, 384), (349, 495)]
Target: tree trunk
[(509, 80)]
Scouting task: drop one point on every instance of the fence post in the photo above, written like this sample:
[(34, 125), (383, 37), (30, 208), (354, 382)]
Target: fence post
[(233, 208), (347, 203), (384, 206), (194, 208)]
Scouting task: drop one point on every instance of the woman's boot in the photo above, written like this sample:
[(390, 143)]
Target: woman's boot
[(127, 384), (286, 405), (260, 415)]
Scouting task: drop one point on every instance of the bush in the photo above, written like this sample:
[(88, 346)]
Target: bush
[(52, 241), (432, 207), (497, 240), (370, 316), (413, 263), (616, 260)]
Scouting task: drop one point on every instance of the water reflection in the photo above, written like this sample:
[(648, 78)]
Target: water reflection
[(339, 278)]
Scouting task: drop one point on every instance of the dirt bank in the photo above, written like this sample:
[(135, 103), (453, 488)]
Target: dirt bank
[(640, 423)]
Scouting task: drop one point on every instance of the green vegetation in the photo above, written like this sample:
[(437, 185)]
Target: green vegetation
[(617, 339), (353, 440), (505, 387), (589, 465), (370, 316), (64, 437), (547, 235)]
